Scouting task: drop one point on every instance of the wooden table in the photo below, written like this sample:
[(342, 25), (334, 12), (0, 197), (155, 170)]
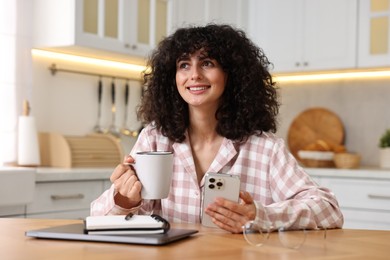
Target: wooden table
[(207, 244)]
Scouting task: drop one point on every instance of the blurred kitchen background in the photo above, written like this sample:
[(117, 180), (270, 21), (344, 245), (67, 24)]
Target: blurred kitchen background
[(299, 37), (326, 53)]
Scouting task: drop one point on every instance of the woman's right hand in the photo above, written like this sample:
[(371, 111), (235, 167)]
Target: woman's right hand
[(127, 186)]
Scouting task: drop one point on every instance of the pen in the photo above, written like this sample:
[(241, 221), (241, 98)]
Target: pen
[(129, 216)]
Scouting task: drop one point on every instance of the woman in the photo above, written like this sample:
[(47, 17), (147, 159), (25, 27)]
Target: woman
[(210, 99)]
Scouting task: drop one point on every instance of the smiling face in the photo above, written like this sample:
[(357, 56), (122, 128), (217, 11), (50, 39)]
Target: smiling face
[(200, 80)]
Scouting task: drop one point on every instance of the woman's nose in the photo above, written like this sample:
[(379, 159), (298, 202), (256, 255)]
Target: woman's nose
[(195, 73)]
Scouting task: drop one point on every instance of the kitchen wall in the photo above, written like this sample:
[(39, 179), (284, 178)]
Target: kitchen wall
[(362, 105), (67, 103)]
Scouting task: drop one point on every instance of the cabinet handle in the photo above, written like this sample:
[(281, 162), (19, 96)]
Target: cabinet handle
[(130, 46), (297, 64), (305, 64), (67, 197), (382, 197)]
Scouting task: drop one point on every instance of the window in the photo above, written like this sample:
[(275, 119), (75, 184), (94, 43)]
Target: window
[(15, 71)]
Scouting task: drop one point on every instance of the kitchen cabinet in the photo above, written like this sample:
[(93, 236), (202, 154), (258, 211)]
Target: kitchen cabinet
[(62, 193), (201, 12), (18, 211), (374, 33), (17, 185), (100, 27), (16, 191), (305, 35), (106, 184), (363, 195), (66, 198)]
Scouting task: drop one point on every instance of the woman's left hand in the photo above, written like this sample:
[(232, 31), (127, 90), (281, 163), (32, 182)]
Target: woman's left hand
[(231, 216)]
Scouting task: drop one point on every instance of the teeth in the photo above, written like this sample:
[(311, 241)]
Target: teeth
[(197, 88)]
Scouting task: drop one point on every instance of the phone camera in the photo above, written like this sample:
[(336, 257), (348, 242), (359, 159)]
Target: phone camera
[(212, 180), (211, 186), (219, 184)]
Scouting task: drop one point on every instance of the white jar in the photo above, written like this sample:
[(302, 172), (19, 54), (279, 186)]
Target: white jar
[(384, 159)]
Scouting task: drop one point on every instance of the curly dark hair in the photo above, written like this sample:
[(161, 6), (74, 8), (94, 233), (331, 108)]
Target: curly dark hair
[(249, 104)]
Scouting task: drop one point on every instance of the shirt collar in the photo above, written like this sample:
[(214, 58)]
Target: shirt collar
[(226, 153)]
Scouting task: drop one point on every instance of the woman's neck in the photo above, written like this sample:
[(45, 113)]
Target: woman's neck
[(202, 126), (205, 142)]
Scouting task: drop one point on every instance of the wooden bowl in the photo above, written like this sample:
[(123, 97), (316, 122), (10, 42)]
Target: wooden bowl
[(347, 160), (316, 159)]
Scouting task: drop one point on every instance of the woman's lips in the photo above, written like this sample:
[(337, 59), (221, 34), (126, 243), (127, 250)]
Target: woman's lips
[(197, 89)]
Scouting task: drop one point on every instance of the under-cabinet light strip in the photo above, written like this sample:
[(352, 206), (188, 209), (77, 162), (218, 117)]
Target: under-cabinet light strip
[(334, 75), (279, 78), (88, 60)]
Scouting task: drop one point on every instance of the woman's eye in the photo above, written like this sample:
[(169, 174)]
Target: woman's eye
[(183, 65), (208, 63)]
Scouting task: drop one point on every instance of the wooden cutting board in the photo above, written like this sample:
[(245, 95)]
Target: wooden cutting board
[(314, 124)]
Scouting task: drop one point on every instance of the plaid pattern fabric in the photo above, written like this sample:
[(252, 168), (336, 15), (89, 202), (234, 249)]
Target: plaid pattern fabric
[(267, 171)]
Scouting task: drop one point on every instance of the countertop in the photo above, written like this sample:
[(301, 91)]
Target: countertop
[(209, 243), (361, 173), (72, 174), (47, 174), (63, 174)]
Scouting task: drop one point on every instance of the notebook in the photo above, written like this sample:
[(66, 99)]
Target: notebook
[(130, 224), (77, 232)]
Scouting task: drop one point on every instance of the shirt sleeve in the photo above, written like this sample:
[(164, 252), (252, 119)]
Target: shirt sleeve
[(298, 202), (105, 205)]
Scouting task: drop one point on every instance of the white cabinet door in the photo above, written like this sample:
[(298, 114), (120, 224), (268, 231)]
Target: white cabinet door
[(361, 194), (12, 211), (201, 12), (126, 26), (130, 27), (374, 33), (277, 27), (233, 12), (186, 12), (71, 214), (305, 35), (330, 32), (109, 25), (106, 185), (55, 197), (364, 203), (361, 219)]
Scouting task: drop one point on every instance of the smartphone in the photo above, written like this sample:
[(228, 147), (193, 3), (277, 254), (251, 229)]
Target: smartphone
[(218, 185)]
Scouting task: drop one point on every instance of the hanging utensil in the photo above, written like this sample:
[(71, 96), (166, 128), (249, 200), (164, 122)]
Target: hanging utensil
[(125, 130), (112, 128), (98, 128)]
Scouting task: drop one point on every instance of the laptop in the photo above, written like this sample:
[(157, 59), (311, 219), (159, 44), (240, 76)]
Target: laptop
[(76, 232)]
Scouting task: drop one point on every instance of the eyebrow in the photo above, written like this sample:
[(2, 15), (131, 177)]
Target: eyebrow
[(186, 56)]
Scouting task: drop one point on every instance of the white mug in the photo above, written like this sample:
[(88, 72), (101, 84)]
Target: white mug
[(154, 170)]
